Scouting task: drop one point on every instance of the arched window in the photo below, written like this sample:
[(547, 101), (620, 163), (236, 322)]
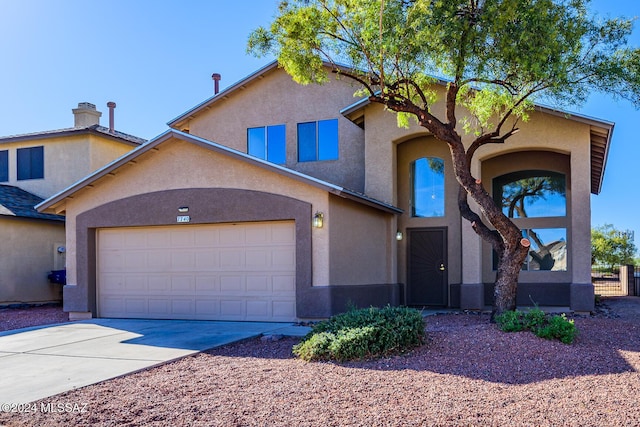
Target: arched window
[(531, 194), (526, 196), (428, 187)]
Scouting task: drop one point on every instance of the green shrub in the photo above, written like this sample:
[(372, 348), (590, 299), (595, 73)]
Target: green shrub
[(511, 321), (556, 327), (362, 334), (559, 328), (534, 319)]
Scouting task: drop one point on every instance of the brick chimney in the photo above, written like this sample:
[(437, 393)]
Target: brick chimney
[(86, 115)]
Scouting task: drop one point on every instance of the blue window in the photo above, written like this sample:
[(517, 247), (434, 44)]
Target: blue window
[(428, 187), (30, 163), (4, 166), (318, 140), (268, 143), (531, 194)]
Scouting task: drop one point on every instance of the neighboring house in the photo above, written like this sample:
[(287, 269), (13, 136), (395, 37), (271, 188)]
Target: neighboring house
[(36, 166), (275, 201)]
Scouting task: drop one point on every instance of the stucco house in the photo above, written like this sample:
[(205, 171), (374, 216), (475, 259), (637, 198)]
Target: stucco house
[(275, 201), (34, 167)]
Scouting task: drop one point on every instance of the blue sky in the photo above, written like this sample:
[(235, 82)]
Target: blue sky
[(155, 58)]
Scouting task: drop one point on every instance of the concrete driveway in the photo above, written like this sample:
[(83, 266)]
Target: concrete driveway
[(40, 362)]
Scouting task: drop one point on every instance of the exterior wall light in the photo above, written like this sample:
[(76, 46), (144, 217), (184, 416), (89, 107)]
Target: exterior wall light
[(399, 235), (183, 209), (318, 220)]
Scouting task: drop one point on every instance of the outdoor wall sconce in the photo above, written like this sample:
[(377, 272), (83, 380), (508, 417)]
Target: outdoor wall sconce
[(399, 236), (183, 209), (318, 220)]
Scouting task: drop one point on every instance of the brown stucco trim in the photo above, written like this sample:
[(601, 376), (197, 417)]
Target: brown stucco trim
[(206, 206)]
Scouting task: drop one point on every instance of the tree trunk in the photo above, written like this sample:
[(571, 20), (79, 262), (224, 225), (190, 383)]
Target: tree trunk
[(509, 266)]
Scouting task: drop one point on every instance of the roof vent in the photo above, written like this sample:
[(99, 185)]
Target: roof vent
[(111, 105), (216, 82), (86, 115)]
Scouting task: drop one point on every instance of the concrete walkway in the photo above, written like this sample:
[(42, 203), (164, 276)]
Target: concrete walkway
[(40, 362)]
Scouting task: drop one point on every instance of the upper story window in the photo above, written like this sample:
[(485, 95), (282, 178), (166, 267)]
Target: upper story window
[(427, 187), (318, 140), (531, 194), (30, 163), (268, 143), (4, 165)]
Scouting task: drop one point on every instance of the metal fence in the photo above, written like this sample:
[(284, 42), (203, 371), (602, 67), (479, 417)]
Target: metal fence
[(616, 281)]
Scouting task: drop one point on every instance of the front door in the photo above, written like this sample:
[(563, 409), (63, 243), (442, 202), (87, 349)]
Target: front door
[(427, 277)]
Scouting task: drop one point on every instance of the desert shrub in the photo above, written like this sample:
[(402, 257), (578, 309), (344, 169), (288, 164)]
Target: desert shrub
[(362, 334), (555, 327), (559, 328), (534, 319), (511, 321)]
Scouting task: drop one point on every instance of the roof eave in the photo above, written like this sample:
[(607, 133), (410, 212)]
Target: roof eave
[(107, 169)]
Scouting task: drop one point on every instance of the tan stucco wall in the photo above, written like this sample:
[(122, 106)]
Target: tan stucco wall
[(103, 151), (408, 152), (66, 160), (178, 164), (361, 240), (276, 99), (543, 132), (27, 254)]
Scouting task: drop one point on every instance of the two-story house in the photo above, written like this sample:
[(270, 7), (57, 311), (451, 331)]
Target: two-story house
[(275, 201), (34, 167)]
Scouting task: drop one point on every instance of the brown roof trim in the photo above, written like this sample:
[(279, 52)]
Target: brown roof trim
[(172, 133)]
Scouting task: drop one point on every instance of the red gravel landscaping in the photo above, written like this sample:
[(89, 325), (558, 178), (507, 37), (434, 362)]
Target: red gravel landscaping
[(468, 374)]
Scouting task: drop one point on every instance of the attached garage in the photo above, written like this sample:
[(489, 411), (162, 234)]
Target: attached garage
[(233, 271)]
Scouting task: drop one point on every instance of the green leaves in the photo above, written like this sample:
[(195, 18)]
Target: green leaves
[(612, 247), (507, 51)]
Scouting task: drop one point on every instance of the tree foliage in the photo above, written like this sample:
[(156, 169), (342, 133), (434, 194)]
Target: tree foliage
[(612, 247), (496, 56)]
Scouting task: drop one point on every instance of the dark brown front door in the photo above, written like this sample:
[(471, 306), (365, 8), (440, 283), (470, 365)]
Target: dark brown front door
[(427, 267)]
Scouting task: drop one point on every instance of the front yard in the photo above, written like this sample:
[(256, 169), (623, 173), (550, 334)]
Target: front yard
[(469, 373)]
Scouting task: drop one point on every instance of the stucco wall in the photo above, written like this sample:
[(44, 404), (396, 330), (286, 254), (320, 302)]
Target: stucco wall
[(66, 160), (27, 254), (543, 132), (179, 165), (408, 152), (276, 99), (360, 240)]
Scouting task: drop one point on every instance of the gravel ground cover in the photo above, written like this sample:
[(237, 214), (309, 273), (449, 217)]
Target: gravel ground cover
[(23, 317), (468, 374)]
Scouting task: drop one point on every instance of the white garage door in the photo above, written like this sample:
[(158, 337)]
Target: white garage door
[(243, 271)]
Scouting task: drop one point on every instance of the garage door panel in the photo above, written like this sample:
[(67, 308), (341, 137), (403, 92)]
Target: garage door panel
[(135, 261), (135, 240), (158, 283), (157, 239), (182, 307), (232, 308), (206, 285), (158, 260), (231, 236), (136, 306), (284, 259), (232, 284), (258, 284), (284, 284), (182, 260), (242, 271), (207, 260), (206, 238)]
